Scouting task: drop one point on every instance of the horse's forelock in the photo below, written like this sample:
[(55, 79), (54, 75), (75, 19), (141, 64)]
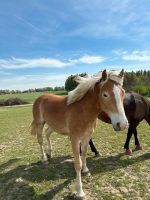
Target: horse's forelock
[(115, 76), (117, 79)]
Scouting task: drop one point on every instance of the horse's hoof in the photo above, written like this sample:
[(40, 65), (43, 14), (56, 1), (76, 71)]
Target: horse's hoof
[(128, 152), (97, 155), (80, 197), (138, 147), (86, 173), (44, 159), (46, 162)]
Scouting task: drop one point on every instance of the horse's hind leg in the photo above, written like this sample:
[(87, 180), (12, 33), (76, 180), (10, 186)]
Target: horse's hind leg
[(84, 145), (49, 146), (78, 166), (40, 141), (137, 144)]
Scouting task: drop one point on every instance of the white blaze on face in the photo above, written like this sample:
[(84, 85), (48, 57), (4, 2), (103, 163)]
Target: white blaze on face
[(119, 120)]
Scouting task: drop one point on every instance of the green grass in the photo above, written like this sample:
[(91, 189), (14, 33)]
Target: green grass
[(30, 97), (113, 176)]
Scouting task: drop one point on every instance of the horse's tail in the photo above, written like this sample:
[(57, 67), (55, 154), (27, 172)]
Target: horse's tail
[(38, 120), (33, 128)]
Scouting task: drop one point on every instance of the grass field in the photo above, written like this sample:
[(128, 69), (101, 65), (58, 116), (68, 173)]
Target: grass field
[(30, 97), (113, 176)]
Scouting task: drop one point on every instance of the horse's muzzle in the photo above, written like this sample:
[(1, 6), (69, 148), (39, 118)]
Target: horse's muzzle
[(120, 126)]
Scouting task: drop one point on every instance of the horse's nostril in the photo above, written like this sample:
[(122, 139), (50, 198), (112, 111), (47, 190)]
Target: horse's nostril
[(118, 125)]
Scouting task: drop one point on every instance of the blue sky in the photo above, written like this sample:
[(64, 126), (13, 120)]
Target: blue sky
[(42, 42)]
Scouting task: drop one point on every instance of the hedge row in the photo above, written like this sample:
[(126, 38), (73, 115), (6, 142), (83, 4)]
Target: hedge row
[(12, 101)]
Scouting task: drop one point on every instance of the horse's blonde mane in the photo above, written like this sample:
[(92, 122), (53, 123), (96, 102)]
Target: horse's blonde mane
[(87, 83)]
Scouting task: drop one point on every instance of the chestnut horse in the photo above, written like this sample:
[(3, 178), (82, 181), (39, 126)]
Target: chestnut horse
[(136, 108), (75, 115)]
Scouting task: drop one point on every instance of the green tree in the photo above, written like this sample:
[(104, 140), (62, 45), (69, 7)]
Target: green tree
[(130, 80), (70, 83)]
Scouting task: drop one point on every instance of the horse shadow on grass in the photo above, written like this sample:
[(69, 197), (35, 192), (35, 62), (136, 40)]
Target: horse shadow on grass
[(16, 183), (111, 163)]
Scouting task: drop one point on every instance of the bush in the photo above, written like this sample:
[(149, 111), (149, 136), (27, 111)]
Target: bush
[(2, 102), (141, 89), (12, 101)]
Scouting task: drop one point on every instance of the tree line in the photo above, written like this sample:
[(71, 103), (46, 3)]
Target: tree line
[(138, 81), (45, 89)]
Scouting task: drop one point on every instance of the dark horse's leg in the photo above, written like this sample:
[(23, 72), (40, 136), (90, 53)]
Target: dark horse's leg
[(126, 145), (93, 148), (137, 144)]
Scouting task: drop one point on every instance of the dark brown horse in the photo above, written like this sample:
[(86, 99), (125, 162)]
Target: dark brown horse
[(136, 108)]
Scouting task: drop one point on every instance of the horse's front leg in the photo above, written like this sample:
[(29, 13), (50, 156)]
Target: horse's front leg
[(78, 166), (93, 148), (126, 145), (137, 144)]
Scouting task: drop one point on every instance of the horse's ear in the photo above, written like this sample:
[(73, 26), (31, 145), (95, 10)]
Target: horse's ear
[(121, 74), (104, 75)]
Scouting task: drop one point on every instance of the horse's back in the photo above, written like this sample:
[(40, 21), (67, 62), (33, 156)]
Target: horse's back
[(135, 107), (48, 103)]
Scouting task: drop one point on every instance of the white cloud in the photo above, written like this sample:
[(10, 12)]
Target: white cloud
[(139, 56), (33, 81), (19, 63), (4, 73), (87, 59), (91, 59)]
